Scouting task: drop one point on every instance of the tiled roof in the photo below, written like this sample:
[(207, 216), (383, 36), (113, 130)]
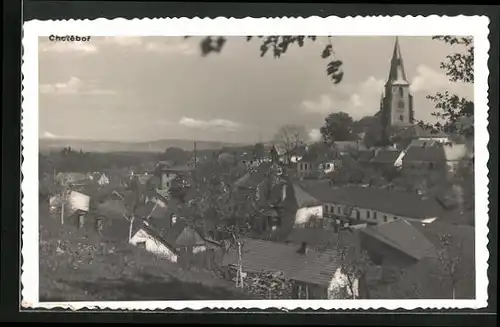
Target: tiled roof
[(151, 210), (403, 236), (312, 267), (434, 154), (398, 203), (428, 274), (385, 157), (254, 178), (321, 238)]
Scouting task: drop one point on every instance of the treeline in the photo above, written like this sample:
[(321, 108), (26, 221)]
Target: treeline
[(70, 160)]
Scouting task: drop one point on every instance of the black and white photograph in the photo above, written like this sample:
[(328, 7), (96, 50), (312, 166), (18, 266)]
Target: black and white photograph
[(275, 167)]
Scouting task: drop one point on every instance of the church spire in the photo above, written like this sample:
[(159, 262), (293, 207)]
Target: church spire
[(397, 72)]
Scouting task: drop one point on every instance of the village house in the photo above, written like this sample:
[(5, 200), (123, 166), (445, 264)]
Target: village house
[(70, 179), (386, 159), (343, 148), (316, 165), (423, 160), (168, 174), (413, 259), (323, 206), (276, 270), (152, 241)]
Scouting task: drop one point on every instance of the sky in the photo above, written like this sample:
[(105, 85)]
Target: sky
[(150, 88)]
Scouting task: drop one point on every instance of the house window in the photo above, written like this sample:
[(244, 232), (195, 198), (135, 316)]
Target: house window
[(358, 214), (375, 215), (332, 208), (339, 210), (401, 93), (368, 214), (385, 218), (401, 117)]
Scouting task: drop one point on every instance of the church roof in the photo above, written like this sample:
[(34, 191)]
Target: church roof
[(397, 75)]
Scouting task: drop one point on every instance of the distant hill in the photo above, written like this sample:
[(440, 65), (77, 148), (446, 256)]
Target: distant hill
[(48, 144)]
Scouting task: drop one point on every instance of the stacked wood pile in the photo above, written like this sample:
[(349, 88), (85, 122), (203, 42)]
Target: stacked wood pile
[(265, 285)]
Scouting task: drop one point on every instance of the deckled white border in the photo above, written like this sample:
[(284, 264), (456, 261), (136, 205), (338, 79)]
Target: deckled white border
[(418, 26)]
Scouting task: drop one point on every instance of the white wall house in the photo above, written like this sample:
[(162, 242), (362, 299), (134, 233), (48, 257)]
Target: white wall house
[(152, 244), (103, 180), (340, 287), (166, 179), (367, 215)]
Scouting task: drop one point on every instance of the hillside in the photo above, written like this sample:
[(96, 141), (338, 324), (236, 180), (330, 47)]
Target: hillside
[(48, 144), (82, 266)]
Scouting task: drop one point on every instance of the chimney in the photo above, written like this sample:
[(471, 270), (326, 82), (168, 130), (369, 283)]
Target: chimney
[(303, 248)]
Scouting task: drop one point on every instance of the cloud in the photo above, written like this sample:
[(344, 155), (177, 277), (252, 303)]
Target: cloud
[(205, 124), (74, 86), (63, 47), (124, 40), (315, 135), (357, 99), (431, 81), (164, 46), (49, 135)]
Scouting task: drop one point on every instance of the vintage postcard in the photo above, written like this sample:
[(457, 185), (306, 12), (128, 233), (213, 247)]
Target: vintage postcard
[(323, 163)]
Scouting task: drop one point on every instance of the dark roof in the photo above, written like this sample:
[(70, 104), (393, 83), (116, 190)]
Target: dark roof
[(405, 204), (433, 154), (403, 236), (428, 275), (254, 178), (154, 233), (311, 267), (299, 151), (181, 234), (321, 238), (151, 210), (111, 208), (365, 156), (385, 156)]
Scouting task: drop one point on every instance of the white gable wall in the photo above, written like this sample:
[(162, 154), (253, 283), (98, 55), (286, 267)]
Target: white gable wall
[(153, 245)]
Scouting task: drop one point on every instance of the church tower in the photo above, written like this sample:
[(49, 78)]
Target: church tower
[(397, 102)]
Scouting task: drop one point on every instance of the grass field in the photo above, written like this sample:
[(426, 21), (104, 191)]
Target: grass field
[(79, 265)]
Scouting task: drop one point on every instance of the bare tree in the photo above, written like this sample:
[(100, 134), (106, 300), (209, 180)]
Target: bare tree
[(290, 137)]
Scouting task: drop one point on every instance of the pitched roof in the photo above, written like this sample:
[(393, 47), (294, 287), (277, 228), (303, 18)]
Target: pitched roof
[(405, 204), (403, 236), (397, 73), (151, 210), (385, 157), (365, 156), (428, 273), (311, 267), (321, 238), (154, 233), (433, 154), (254, 178), (181, 234)]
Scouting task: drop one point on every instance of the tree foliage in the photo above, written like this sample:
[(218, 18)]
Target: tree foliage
[(338, 126), (277, 46), (457, 113), (177, 155)]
